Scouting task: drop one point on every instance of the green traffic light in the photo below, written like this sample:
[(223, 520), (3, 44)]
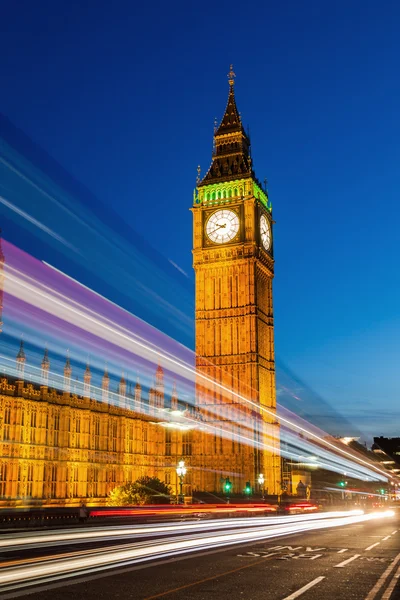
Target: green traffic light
[(247, 489), (342, 483), (227, 485)]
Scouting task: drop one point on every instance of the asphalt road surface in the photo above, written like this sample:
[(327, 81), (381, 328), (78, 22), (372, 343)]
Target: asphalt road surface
[(349, 561)]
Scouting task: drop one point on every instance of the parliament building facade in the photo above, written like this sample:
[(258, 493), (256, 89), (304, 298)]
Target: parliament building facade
[(63, 447)]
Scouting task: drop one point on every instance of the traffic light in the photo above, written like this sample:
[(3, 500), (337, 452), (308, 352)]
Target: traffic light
[(227, 485), (342, 483), (247, 489), (382, 491)]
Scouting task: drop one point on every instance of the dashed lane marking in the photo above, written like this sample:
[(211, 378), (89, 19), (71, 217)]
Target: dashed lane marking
[(382, 580), (372, 546), (389, 590), (386, 538), (342, 550), (304, 588), (393, 532), (349, 560)]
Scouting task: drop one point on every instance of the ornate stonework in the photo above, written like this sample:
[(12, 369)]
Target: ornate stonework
[(234, 318)]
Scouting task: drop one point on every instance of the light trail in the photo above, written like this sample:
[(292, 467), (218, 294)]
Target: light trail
[(124, 336), (51, 569), (15, 541)]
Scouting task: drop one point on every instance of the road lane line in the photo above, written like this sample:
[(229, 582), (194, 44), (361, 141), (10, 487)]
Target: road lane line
[(390, 587), (349, 560), (372, 546), (304, 588), (393, 532), (382, 580), (342, 550), (386, 538)]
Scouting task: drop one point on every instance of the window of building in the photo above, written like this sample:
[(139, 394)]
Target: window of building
[(97, 433), (56, 429), (114, 431), (29, 486), (33, 428), (187, 443), (7, 422), (3, 479), (168, 442), (53, 481)]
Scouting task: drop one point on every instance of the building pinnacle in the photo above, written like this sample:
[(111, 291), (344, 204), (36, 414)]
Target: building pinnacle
[(231, 76)]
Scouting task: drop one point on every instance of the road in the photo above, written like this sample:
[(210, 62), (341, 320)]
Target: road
[(312, 557)]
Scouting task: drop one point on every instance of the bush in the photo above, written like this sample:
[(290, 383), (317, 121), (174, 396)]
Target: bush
[(143, 491)]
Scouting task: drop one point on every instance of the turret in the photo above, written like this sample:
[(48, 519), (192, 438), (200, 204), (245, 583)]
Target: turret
[(174, 398), (87, 377), (67, 375), (159, 379), (45, 368), (21, 360), (138, 395), (105, 384), (122, 391)]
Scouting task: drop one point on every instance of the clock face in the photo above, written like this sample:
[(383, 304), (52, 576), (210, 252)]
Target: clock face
[(222, 226), (265, 232)]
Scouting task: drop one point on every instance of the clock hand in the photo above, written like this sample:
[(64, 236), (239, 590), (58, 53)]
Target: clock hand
[(219, 227)]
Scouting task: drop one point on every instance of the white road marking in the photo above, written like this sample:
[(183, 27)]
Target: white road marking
[(390, 587), (304, 588), (349, 560), (382, 580), (372, 546), (393, 532), (386, 538), (342, 550)]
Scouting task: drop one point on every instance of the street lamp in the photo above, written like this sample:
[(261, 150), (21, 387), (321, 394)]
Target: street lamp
[(261, 482), (181, 472)]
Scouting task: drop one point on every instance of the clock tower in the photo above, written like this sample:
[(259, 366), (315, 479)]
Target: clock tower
[(234, 267)]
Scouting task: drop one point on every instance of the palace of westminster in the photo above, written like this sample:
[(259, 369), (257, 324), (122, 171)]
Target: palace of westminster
[(58, 447)]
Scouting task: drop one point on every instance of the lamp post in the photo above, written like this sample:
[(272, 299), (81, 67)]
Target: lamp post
[(181, 472), (261, 482)]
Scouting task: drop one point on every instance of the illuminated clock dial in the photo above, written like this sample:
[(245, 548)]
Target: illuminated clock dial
[(265, 232), (222, 226)]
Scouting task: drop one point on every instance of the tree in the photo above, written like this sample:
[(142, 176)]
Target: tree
[(145, 490)]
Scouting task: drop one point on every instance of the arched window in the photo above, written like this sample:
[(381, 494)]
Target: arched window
[(224, 194), (230, 193), (235, 192), (213, 196), (219, 195), (208, 196)]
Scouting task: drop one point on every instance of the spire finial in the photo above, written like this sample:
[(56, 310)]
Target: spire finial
[(231, 76), (198, 175)]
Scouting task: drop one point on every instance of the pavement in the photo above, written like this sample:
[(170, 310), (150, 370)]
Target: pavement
[(360, 562)]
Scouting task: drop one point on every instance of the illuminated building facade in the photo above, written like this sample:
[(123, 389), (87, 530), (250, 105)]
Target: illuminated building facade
[(234, 268), (60, 448)]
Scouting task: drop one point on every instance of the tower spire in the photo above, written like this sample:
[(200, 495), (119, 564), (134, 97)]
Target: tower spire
[(231, 149)]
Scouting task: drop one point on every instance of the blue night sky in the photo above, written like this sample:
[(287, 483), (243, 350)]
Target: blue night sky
[(124, 97)]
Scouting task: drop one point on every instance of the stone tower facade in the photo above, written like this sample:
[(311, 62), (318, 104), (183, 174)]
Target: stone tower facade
[(234, 268)]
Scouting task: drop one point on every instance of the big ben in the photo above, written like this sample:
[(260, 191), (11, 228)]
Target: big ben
[(235, 363)]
